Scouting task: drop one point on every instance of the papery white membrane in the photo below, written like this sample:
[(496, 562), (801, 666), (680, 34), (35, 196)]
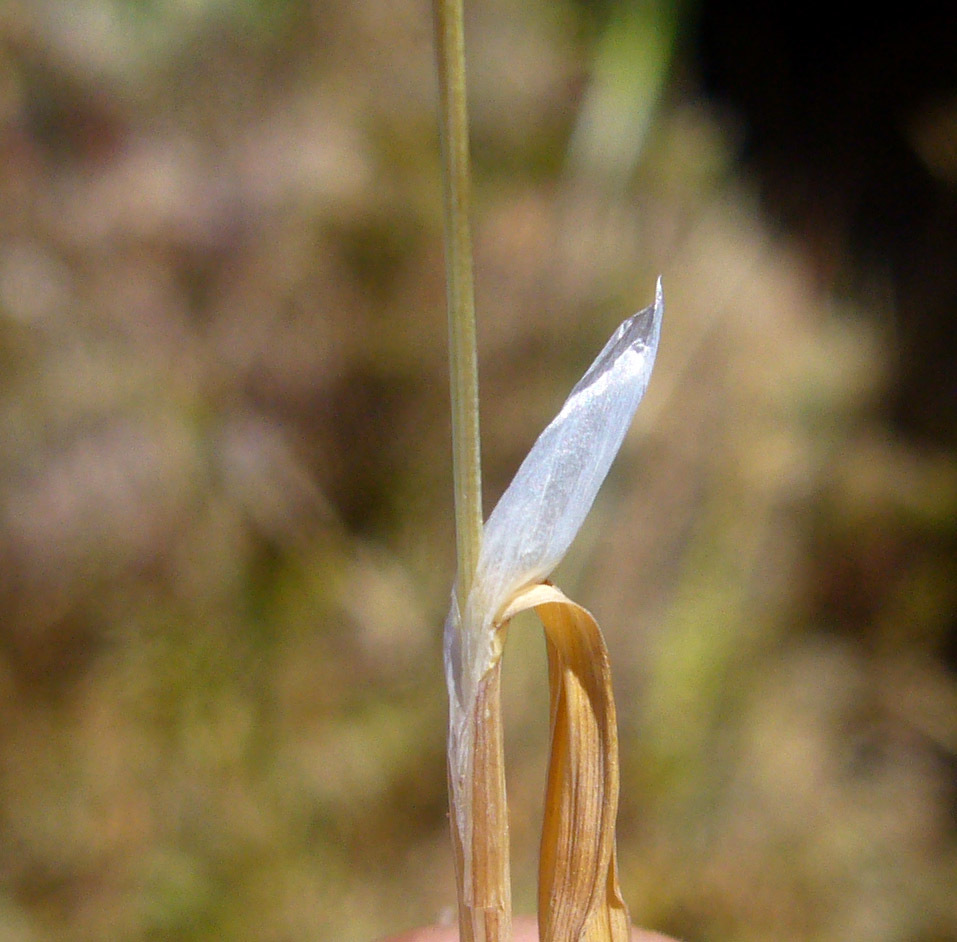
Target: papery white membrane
[(543, 508)]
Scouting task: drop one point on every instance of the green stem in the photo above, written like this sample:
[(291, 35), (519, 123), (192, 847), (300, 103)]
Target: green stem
[(463, 369), (481, 852)]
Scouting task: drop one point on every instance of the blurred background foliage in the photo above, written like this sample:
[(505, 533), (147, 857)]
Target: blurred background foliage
[(225, 500)]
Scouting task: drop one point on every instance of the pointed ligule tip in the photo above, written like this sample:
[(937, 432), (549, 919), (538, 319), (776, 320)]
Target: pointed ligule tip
[(657, 313), (659, 309), (646, 324)]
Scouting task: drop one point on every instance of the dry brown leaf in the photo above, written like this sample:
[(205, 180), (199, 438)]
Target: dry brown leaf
[(579, 899)]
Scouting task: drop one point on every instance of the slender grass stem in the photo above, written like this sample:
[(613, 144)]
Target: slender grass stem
[(463, 369), (481, 848)]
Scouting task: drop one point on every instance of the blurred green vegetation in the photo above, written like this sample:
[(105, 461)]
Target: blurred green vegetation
[(225, 508)]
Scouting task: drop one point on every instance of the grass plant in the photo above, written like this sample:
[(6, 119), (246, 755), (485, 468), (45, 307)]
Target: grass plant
[(503, 570)]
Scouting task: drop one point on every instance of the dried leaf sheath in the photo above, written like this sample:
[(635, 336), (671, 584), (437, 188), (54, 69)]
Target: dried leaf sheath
[(579, 896), (483, 875)]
